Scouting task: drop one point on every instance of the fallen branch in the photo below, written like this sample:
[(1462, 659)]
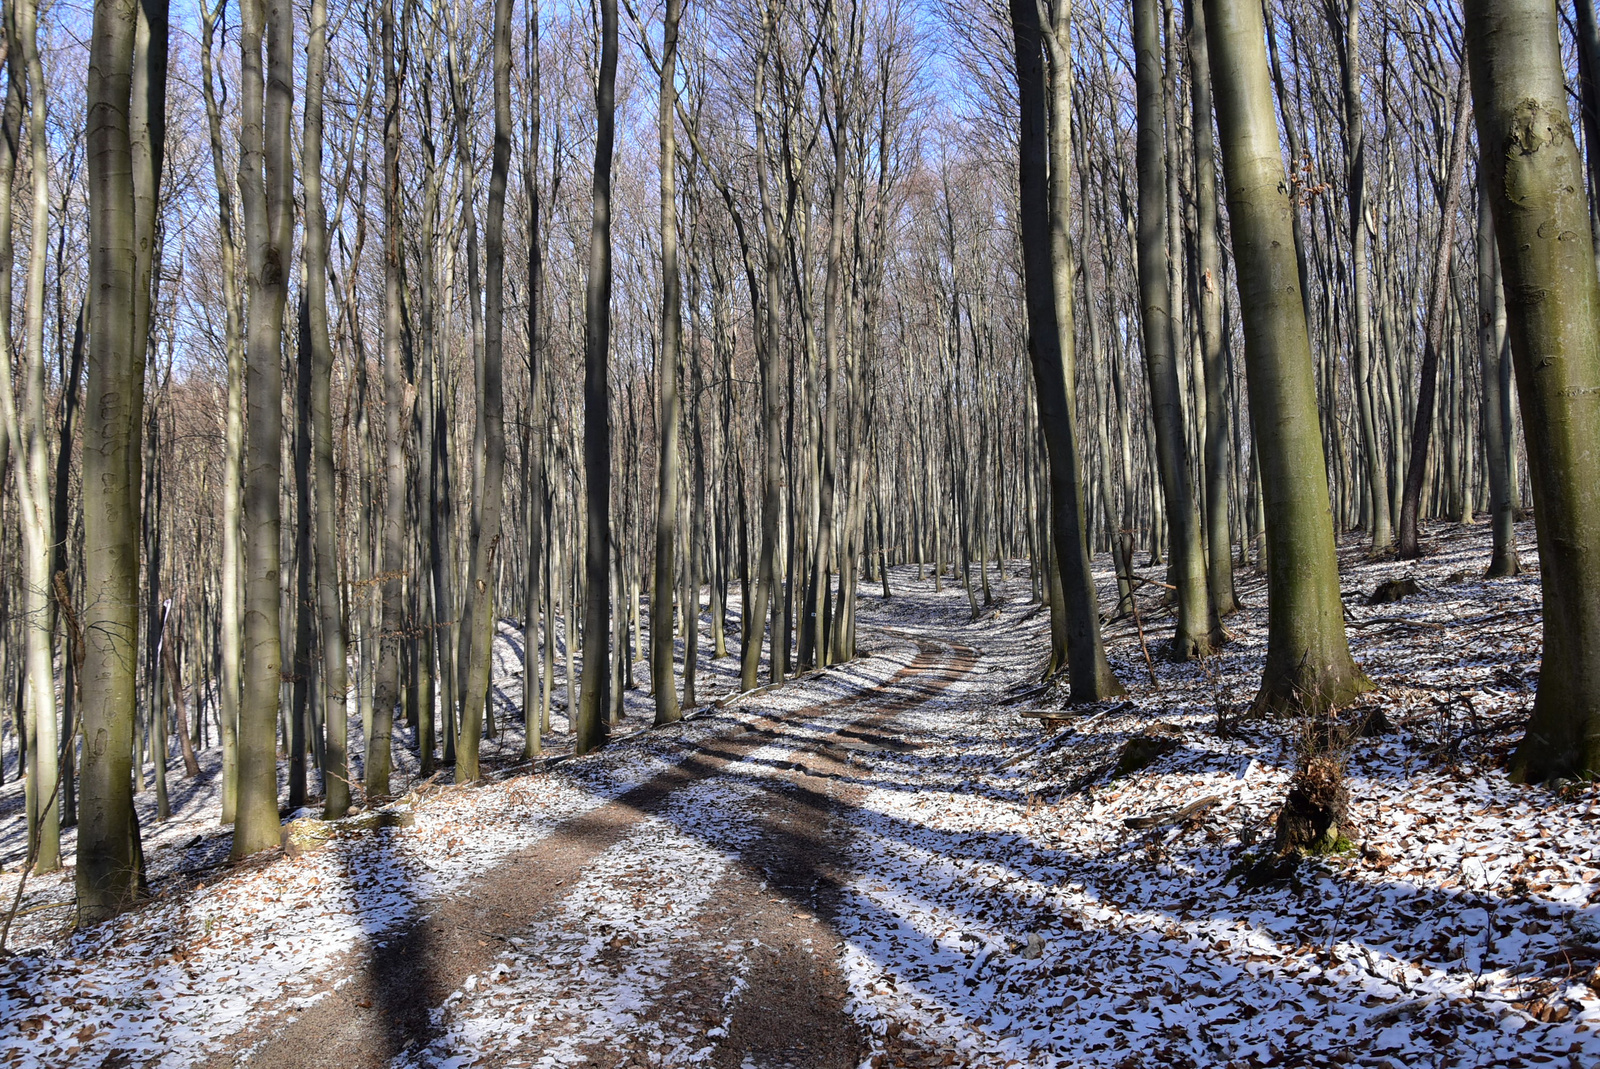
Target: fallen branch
[(1397, 621), (1056, 741), (1173, 816), (1387, 1017), (1453, 747)]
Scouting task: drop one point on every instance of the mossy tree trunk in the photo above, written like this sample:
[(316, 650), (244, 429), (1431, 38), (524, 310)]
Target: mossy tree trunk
[(1309, 667), (1535, 185)]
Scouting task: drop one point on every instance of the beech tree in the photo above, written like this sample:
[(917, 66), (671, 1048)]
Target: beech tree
[(1535, 189), (110, 868), (1089, 673), (1309, 666), (592, 727), (266, 179)]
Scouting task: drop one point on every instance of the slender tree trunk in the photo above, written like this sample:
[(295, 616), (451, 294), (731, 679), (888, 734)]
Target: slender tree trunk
[(305, 555), (592, 730), (1213, 338), (386, 686), (1434, 334), (1197, 632), (331, 623), (492, 408), (667, 370), (1534, 179), (265, 193), (1493, 351), (754, 610), (26, 425), (1360, 304), (1089, 674), (230, 611), (536, 490)]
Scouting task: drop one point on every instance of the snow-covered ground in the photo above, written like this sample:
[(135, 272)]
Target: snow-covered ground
[(1460, 934), (993, 907)]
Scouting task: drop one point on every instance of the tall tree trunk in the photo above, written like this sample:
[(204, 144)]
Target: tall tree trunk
[(331, 624), (1493, 352), (1213, 338), (265, 193), (1535, 182), (491, 406), (536, 492), (1360, 304), (592, 730), (1197, 632), (26, 425), (386, 686), (230, 611), (838, 49), (305, 562), (667, 368), (753, 611), (1308, 659), (1089, 674), (110, 869), (1434, 333)]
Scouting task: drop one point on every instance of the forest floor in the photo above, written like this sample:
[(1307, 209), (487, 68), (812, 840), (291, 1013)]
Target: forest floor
[(886, 864)]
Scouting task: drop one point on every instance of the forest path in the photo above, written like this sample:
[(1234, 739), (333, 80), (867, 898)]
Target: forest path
[(688, 919)]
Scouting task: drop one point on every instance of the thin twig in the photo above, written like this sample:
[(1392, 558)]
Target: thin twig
[(1139, 623), (27, 866)]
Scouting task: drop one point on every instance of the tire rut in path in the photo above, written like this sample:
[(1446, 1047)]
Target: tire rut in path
[(383, 1009), (791, 1013)]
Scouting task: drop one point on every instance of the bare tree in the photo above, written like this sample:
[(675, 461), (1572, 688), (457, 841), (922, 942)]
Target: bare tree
[(266, 177)]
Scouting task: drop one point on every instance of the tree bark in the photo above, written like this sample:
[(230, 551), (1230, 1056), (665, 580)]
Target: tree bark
[(1197, 633), (1213, 339), (535, 693), (1534, 179), (331, 623), (110, 864), (491, 406), (753, 612), (265, 193), (1308, 659), (391, 586), (592, 730), (1493, 354), (229, 610), (667, 370), (26, 425), (1089, 674)]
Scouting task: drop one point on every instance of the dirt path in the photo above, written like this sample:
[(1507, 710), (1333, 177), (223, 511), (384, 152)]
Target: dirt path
[(691, 915)]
